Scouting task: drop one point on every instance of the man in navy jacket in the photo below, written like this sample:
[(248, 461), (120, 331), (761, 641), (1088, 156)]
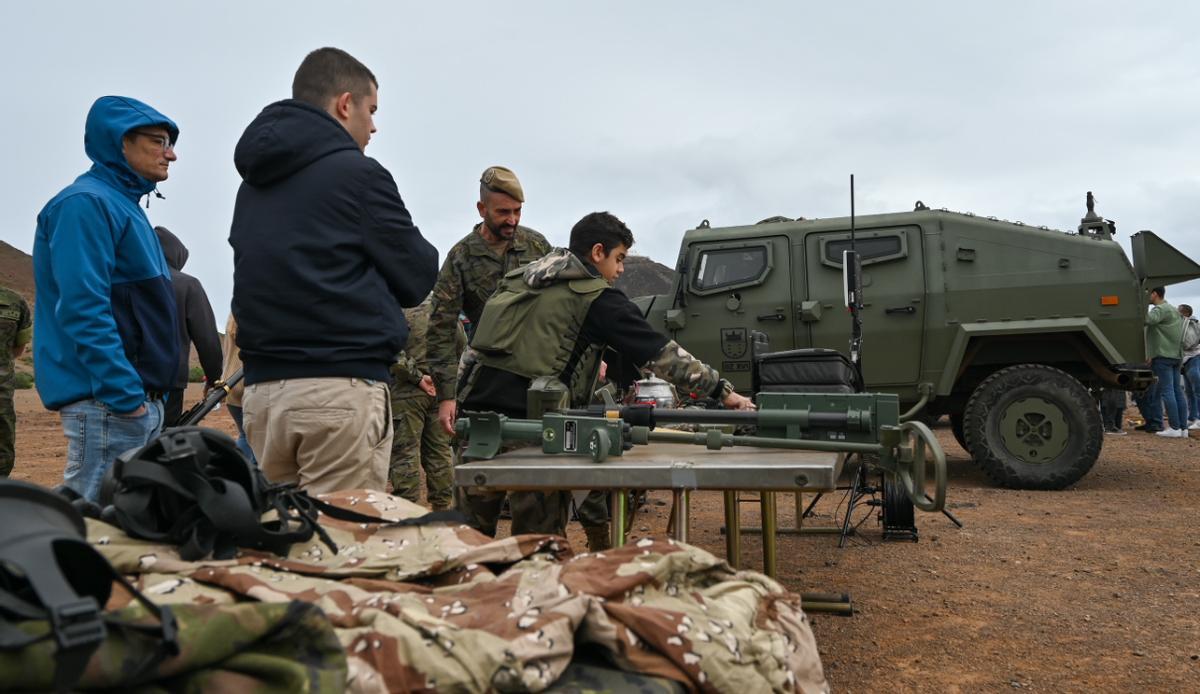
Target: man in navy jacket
[(105, 347), (325, 257)]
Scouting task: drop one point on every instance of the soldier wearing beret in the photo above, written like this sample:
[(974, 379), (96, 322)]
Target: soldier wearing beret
[(473, 268)]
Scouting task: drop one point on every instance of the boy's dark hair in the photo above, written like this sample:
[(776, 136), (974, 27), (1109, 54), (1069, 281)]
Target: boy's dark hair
[(1160, 291), (599, 228), (327, 72)]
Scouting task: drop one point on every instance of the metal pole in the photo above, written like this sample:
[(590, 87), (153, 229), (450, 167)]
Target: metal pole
[(618, 518), (768, 537), (679, 498), (733, 530)]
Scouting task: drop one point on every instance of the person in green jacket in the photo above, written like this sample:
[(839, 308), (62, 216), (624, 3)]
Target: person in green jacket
[(1164, 331)]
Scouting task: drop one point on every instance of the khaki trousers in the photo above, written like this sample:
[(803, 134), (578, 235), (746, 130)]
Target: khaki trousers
[(324, 434)]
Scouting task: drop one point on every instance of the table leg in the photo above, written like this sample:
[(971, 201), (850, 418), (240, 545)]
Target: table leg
[(619, 499), (767, 502), (733, 530), (680, 502)]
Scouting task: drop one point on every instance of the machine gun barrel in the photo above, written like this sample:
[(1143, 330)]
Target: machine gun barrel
[(645, 415), (716, 440)]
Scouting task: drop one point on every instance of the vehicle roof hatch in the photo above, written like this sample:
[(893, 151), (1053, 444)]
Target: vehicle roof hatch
[(1158, 263)]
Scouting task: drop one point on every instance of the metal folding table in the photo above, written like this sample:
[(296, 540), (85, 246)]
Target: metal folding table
[(678, 467)]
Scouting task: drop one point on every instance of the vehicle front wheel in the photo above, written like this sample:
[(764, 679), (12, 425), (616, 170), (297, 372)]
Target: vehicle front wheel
[(1032, 426)]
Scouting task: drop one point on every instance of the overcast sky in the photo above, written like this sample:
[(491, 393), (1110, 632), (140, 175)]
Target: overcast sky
[(664, 113)]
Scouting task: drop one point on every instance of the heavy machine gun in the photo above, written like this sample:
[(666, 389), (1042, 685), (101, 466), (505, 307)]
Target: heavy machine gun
[(864, 423)]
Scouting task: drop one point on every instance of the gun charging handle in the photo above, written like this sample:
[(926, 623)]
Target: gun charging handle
[(910, 447)]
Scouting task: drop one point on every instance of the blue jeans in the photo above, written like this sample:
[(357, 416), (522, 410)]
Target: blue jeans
[(243, 445), (1168, 390), (96, 436), (1191, 375)]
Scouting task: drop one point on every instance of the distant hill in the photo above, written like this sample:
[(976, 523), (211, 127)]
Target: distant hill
[(16, 271), (645, 277)]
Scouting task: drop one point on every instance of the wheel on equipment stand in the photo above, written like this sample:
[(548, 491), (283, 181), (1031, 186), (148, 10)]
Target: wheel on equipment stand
[(899, 522)]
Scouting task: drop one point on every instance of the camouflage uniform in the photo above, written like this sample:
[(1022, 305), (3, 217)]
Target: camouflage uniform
[(467, 279), (16, 327), (419, 442)]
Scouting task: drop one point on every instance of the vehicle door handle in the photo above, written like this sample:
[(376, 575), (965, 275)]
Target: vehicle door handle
[(772, 316), (901, 309)]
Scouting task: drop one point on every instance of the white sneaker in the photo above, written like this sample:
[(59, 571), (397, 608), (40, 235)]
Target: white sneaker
[(1194, 424), (1169, 433)]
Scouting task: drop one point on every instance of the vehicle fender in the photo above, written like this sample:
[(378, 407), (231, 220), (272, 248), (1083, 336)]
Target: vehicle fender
[(962, 338)]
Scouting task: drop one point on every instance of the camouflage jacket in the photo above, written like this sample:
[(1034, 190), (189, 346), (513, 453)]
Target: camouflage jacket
[(441, 607), (413, 362), (16, 327), (468, 277)]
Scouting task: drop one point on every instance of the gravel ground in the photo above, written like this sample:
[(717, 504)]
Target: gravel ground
[(1096, 587)]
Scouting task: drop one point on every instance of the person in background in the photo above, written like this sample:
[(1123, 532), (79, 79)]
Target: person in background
[(197, 325), (1112, 411), (1164, 333), (419, 443), (16, 327), (1190, 344)]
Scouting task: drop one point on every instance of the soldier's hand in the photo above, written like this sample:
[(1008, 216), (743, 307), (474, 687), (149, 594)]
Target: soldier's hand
[(738, 402), (426, 385), (447, 410)]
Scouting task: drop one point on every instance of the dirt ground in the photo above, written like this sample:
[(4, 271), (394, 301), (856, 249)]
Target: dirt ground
[(1096, 587)]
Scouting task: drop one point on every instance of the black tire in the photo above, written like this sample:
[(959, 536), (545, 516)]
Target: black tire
[(956, 426), (1032, 426)]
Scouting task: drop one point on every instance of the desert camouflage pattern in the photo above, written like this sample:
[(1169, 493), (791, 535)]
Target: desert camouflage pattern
[(224, 647), (468, 277), (444, 608), (689, 375), (16, 328)]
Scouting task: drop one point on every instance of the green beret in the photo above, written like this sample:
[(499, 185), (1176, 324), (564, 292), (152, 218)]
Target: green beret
[(502, 180)]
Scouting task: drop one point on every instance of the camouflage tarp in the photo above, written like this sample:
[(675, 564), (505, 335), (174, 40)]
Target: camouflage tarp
[(265, 647), (444, 608)]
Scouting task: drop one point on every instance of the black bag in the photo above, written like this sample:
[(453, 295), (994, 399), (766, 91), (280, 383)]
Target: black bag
[(805, 371), (193, 488), (49, 573)]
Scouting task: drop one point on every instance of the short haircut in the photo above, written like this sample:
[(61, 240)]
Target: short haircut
[(1160, 291), (327, 73), (599, 228), (1185, 310)]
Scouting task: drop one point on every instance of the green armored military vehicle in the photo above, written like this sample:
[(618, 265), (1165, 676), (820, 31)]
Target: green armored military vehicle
[(1007, 328)]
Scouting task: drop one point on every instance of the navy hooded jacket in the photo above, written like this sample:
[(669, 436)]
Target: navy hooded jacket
[(104, 324), (325, 253)]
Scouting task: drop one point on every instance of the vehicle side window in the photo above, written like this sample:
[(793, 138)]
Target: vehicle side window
[(727, 267), (873, 248)]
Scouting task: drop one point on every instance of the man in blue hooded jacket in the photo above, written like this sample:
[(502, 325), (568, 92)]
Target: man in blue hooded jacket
[(105, 346)]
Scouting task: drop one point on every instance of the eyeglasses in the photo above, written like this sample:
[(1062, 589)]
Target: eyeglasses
[(162, 141)]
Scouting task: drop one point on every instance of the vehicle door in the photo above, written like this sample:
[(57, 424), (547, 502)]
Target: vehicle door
[(893, 281), (734, 288)]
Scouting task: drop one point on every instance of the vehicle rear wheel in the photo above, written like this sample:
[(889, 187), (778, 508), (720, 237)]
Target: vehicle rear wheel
[(1032, 426), (956, 426)]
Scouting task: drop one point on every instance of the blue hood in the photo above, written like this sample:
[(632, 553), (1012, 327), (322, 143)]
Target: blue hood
[(107, 122)]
